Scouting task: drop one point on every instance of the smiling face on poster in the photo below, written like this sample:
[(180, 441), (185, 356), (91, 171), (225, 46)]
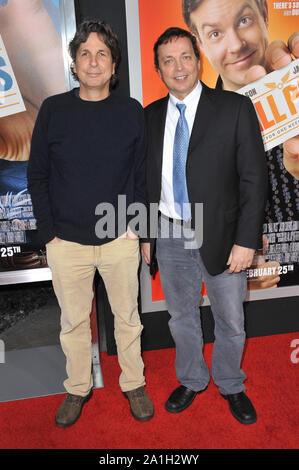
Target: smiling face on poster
[(232, 34)]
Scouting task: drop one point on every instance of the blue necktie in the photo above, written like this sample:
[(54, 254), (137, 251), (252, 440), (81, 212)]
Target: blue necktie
[(180, 149)]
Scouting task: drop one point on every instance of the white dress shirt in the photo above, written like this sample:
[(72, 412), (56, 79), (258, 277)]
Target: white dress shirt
[(166, 205)]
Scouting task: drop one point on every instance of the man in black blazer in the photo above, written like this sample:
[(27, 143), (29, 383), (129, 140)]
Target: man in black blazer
[(204, 147)]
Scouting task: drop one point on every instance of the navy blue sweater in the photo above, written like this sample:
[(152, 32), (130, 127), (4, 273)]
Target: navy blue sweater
[(84, 153)]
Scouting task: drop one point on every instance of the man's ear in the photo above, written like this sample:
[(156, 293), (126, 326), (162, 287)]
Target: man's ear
[(198, 65), (198, 41)]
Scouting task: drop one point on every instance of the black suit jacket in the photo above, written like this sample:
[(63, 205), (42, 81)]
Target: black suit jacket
[(225, 170)]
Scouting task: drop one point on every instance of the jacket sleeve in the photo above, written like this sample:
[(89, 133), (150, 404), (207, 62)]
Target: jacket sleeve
[(38, 175), (252, 170)]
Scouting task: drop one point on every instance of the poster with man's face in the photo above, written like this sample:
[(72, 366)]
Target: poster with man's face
[(233, 37), (270, 21)]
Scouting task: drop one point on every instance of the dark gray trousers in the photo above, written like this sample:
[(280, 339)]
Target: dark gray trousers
[(182, 272)]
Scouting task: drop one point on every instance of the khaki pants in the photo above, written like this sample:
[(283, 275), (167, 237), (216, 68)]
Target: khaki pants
[(73, 267)]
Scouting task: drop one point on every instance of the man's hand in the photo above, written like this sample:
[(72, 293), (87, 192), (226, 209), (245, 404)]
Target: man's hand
[(15, 134), (291, 156), (278, 55), (145, 251), (54, 240), (131, 235), (30, 56), (240, 258), (268, 281), (270, 267)]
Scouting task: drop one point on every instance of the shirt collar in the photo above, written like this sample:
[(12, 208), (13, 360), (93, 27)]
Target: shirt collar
[(191, 100)]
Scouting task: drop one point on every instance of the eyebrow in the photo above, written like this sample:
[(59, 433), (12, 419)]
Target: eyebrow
[(88, 50), (169, 56), (213, 25)]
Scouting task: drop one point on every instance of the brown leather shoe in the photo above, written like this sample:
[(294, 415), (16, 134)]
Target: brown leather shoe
[(140, 404), (70, 409)]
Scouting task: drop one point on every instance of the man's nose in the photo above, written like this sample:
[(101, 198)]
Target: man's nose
[(93, 60), (179, 64), (235, 41)]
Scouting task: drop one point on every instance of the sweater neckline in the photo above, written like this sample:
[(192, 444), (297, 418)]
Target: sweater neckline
[(75, 94)]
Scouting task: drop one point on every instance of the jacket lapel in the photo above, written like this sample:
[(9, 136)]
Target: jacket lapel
[(159, 130), (203, 119)]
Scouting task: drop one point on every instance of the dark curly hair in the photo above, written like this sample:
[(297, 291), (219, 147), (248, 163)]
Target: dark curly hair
[(109, 37)]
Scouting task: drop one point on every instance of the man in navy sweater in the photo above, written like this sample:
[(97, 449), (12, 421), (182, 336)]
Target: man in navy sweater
[(88, 147)]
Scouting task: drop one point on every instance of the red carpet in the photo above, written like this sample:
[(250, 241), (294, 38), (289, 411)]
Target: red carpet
[(106, 423)]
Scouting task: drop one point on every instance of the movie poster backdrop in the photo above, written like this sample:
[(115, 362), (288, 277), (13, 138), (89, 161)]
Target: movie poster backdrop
[(275, 270)]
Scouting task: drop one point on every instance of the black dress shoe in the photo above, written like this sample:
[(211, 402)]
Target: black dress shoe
[(241, 408), (180, 399)]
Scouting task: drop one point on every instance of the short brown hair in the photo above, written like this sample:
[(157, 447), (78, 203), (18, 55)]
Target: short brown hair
[(189, 6)]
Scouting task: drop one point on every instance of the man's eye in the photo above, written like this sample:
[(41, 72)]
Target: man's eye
[(214, 35), (247, 20)]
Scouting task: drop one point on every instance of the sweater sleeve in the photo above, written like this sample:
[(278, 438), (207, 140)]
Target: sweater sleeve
[(139, 173), (38, 174), (139, 166)]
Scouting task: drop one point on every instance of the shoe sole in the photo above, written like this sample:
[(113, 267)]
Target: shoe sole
[(146, 418), (63, 425), (251, 421)]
